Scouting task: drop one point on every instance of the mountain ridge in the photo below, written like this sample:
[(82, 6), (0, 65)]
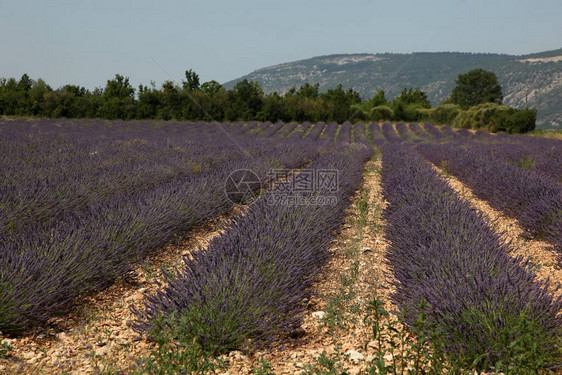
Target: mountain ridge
[(531, 79)]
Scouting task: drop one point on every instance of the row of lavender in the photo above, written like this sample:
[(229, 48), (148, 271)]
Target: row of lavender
[(51, 253), (251, 285), (485, 306), (530, 196)]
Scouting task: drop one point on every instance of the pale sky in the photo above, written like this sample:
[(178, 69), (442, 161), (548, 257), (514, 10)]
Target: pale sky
[(88, 42)]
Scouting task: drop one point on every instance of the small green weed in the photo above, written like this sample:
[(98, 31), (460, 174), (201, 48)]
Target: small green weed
[(264, 368), (5, 349), (176, 355), (526, 162), (326, 365)]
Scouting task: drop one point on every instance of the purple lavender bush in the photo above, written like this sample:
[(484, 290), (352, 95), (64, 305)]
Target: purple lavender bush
[(300, 130), (344, 134), (376, 135), (390, 134), (419, 132), (433, 131), (273, 129), (330, 131), (286, 130), (359, 135), (316, 131), (448, 132), (405, 133), (488, 310)]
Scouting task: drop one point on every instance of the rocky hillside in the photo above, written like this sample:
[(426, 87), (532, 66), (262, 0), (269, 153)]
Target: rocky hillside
[(536, 78)]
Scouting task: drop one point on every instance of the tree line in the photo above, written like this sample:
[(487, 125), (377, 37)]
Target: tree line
[(476, 91)]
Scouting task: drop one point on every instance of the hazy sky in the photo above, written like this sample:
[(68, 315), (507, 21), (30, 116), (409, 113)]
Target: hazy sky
[(87, 42)]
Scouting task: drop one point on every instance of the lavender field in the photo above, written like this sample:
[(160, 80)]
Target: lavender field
[(85, 203)]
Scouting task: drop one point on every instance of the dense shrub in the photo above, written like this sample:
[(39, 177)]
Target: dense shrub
[(381, 113), (425, 114), (445, 114), (515, 121), (495, 117), (480, 116), (413, 96), (406, 112)]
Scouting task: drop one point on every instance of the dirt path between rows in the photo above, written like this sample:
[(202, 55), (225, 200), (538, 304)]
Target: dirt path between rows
[(542, 258)]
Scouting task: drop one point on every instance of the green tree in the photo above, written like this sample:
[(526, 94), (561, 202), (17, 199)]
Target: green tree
[(413, 96), (245, 100), (119, 88), (149, 102), (172, 102), (476, 87), (274, 108), (378, 99), (191, 82), (10, 96), (308, 91), (37, 96), (25, 83), (212, 88), (339, 103), (119, 99)]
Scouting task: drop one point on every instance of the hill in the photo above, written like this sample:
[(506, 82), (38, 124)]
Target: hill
[(536, 78)]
